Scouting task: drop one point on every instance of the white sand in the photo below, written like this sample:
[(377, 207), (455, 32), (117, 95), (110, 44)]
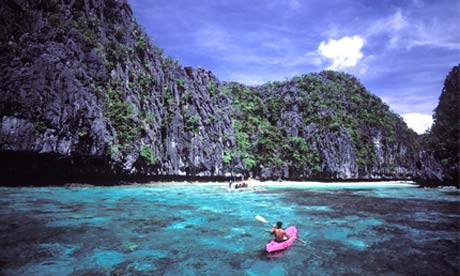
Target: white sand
[(256, 183)]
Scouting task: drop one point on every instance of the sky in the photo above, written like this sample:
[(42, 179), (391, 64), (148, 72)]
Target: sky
[(401, 50)]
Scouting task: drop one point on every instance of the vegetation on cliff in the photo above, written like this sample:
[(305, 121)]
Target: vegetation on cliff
[(443, 138), (285, 126), (82, 82)]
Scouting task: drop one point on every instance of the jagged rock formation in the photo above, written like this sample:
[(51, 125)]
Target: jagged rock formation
[(85, 94), (324, 126), (440, 162), (81, 85)]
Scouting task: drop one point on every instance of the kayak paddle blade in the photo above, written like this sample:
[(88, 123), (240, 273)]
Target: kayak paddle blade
[(261, 219)]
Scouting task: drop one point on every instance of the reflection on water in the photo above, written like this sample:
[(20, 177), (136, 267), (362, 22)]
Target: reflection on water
[(203, 229)]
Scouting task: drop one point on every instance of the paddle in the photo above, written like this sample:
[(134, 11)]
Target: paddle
[(263, 220)]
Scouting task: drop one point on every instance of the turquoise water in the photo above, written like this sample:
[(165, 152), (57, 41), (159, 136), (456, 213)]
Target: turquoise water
[(181, 229)]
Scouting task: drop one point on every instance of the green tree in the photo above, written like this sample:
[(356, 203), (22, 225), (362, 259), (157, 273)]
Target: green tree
[(444, 138)]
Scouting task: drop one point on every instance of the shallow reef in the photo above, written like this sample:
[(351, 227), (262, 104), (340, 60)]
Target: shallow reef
[(203, 230)]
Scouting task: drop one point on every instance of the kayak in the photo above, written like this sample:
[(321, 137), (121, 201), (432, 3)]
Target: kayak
[(273, 246)]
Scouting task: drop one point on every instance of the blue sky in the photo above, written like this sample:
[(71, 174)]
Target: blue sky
[(400, 50)]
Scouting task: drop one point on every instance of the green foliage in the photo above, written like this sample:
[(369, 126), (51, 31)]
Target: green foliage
[(338, 102), (298, 155), (120, 115), (212, 118), (243, 145), (87, 27), (192, 123), (168, 63), (296, 151), (141, 44), (150, 117), (147, 154), (335, 124), (228, 156), (185, 98), (114, 150), (223, 90), (249, 161), (444, 137), (168, 96), (258, 140), (115, 53), (82, 133), (212, 88), (145, 81), (180, 83), (329, 101)]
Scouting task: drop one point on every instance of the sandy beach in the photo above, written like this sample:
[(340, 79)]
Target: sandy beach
[(257, 183)]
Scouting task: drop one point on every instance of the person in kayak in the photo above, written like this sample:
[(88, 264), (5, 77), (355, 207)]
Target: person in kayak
[(280, 234)]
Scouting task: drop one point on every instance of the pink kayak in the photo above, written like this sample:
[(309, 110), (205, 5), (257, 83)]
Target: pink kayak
[(273, 246)]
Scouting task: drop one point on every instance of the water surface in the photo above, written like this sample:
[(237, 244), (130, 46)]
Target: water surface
[(184, 229)]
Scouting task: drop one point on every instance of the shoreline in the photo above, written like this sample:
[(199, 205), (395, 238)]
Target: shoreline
[(117, 180), (251, 183), (258, 183), (365, 183)]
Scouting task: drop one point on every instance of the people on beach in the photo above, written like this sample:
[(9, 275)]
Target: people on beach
[(241, 185), (237, 185), (278, 231)]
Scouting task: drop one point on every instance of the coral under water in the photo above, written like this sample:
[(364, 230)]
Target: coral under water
[(181, 229)]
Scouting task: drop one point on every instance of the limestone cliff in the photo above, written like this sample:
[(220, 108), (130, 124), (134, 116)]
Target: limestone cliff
[(439, 162), (85, 95), (324, 126)]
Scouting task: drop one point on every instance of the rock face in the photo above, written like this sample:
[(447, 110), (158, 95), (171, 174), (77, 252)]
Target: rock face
[(323, 126), (82, 86), (85, 95), (440, 156)]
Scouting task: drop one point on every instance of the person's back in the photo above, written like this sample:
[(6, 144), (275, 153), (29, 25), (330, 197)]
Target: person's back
[(279, 233)]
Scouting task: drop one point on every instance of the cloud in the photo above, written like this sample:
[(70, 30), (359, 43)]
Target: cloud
[(418, 121), (394, 23), (393, 26), (344, 53), (212, 38), (243, 52), (405, 31), (435, 35)]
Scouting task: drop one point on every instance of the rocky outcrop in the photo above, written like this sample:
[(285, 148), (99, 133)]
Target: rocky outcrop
[(81, 84), (439, 162), (321, 126), (85, 95)]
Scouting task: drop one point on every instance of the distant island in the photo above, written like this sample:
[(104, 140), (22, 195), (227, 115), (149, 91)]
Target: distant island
[(85, 96)]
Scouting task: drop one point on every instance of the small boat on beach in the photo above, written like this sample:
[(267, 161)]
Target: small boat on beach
[(273, 246), (239, 187)]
